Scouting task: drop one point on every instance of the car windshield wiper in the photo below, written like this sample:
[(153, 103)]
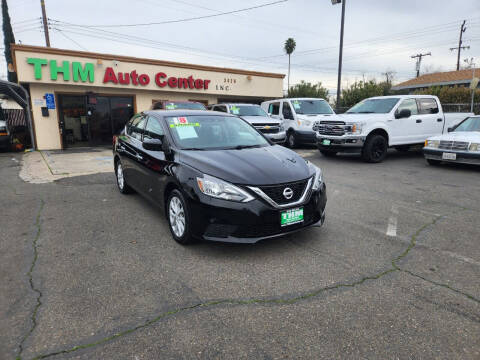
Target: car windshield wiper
[(366, 112), (239, 147), (196, 149)]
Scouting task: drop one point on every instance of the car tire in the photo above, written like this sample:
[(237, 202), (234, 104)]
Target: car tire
[(433, 162), (291, 140), (375, 149), (178, 217), (121, 181), (328, 153)]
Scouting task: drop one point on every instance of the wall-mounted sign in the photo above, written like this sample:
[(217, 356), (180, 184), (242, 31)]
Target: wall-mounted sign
[(77, 72), (50, 101)]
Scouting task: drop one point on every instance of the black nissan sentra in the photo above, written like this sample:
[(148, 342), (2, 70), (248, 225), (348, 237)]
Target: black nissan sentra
[(216, 177)]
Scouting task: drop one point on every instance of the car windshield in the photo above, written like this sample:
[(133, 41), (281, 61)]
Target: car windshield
[(202, 132), (247, 110), (184, 106), (469, 124), (311, 107), (374, 106)]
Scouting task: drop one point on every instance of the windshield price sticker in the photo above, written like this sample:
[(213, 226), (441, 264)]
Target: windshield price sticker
[(292, 216), (235, 110), (296, 104), (171, 106)]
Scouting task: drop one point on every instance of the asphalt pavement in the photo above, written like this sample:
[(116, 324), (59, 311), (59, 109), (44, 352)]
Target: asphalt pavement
[(88, 273)]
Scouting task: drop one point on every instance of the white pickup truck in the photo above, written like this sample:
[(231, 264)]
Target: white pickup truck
[(375, 124)]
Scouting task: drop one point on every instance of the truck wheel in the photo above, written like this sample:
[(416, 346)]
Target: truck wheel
[(291, 140), (433, 162), (375, 149), (328, 153)]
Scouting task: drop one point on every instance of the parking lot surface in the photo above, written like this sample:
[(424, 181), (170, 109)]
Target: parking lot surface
[(88, 273)]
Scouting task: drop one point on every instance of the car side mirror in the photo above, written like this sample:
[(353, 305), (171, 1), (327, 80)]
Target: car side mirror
[(450, 129), (152, 144), (405, 113)]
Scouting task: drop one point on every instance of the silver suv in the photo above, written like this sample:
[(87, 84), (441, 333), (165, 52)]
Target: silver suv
[(255, 115)]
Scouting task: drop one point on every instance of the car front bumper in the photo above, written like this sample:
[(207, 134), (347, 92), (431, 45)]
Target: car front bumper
[(278, 138), (463, 157), (341, 143), (227, 221)]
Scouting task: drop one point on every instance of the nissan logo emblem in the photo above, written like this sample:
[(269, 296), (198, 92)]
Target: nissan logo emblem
[(288, 193)]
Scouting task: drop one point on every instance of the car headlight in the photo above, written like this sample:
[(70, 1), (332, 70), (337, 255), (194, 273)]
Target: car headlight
[(318, 178), (304, 122), (354, 127), (474, 147), (220, 189), (432, 144)]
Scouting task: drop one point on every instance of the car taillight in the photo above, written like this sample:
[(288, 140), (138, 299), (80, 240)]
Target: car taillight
[(114, 140)]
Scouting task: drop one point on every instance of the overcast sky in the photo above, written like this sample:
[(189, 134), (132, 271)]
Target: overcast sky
[(380, 35)]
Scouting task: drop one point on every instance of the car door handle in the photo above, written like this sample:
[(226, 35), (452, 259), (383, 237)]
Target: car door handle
[(139, 157), (419, 121), (439, 120)]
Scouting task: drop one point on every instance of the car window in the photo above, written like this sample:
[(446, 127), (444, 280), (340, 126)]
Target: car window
[(374, 106), (408, 104), (274, 108), (311, 107), (427, 106), (221, 108), (287, 111), (135, 127), (154, 129), (469, 124)]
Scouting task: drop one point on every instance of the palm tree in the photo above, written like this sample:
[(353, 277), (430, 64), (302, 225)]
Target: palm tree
[(289, 48)]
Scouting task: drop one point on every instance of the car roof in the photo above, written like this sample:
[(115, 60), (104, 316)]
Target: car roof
[(242, 104), (184, 112), (300, 98), (403, 97)]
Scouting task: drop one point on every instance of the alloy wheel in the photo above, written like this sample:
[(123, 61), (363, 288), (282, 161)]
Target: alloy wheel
[(176, 214), (378, 149), (120, 178)]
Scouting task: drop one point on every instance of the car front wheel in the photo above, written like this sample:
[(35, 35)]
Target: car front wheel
[(291, 140), (178, 217), (375, 149)]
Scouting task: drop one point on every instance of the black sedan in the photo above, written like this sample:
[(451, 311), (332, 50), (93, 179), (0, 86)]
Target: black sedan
[(216, 177)]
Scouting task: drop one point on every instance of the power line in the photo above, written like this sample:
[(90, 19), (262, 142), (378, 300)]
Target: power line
[(69, 38), (188, 19)]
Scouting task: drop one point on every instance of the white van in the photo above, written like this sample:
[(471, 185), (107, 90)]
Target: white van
[(298, 116)]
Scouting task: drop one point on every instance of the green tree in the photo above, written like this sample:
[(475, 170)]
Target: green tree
[(306, 89), (8, 39), (289, 48), (364, 89)]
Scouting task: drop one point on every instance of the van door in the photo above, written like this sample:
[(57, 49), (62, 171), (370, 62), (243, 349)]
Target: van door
[(274, 110), (431, 121), (406, 130)]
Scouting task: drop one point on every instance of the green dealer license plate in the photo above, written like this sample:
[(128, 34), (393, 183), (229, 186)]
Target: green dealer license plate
[(326, 142), (292, 216)]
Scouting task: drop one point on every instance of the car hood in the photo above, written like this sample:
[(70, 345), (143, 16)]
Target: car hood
[(467, 136), (313, 117), (362, 117), (255, 166), (260, 119)]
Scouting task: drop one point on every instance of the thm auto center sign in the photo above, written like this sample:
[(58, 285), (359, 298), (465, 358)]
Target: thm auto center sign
[(78, 72)]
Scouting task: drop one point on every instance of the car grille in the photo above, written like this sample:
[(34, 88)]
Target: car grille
[(269, 226), (453, 145), (275, 192), (268, 128), (335, 128)]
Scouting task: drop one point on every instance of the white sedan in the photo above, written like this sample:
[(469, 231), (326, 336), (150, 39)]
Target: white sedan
[(461, 144)]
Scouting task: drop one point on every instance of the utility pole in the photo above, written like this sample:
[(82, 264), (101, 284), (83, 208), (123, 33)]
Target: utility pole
[(460, 47), (474, 83), (45, 23), (340, 55), (419, 60)]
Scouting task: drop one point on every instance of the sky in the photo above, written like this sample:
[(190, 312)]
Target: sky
[(380, 35)]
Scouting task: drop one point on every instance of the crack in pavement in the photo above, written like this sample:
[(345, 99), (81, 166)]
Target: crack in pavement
[(278, 301), (33, 317)]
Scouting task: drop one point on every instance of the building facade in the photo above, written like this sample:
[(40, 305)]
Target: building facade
[(82, 98)]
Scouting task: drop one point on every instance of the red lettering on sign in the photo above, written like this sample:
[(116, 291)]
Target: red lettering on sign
[(205, 84), (124, 78), (134, 76), (110, 76), (198, 84), (190, 81), (172, 82), (183, 83), (144, 79), (158, 80)]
